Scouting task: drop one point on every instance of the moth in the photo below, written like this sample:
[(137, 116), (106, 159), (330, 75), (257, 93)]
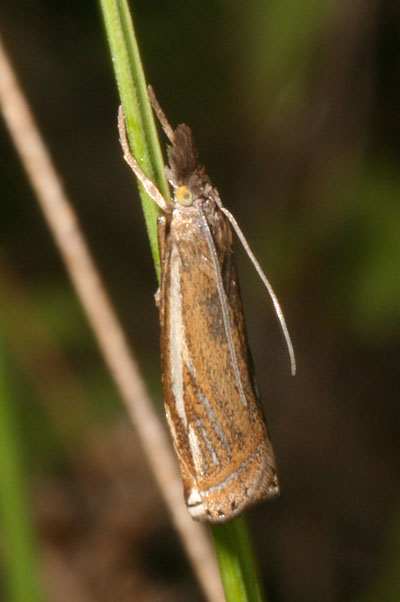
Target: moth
[(211, 400)]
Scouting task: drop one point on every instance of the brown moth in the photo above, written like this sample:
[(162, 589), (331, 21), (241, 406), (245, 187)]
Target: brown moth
[(211, 401)]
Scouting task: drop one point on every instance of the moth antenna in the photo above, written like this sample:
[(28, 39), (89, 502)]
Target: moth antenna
[(169, 132), (147, 184), (267, 285)]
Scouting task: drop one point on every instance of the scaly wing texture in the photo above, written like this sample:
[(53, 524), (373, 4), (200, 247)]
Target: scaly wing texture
[(222, 443)]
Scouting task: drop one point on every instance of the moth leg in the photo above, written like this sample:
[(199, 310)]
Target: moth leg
[(162, 234), (147, 184), (169, 132)]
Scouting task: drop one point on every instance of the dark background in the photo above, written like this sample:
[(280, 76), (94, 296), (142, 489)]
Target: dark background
[(295, 110)]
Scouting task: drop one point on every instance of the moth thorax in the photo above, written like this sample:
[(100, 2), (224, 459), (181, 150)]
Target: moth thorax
[(183, 196)]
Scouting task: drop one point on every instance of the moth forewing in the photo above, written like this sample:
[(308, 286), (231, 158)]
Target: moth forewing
[(216, 422), (220, 437)]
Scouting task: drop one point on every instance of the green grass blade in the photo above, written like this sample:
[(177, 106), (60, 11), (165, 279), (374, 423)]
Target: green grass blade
[(236, 562), (21, 575), (139, 118), (231, 540)]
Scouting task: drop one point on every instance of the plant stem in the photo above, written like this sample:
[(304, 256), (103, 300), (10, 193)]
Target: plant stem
[(140, 125), (236, 561), (21, 574), (231, 540)]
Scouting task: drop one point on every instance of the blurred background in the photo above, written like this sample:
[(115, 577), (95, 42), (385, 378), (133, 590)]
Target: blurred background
[(295, 111)]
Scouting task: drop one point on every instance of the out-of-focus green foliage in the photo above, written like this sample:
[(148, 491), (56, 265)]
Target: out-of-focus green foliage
[(21, 566)]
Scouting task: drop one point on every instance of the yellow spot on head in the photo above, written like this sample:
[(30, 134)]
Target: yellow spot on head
[(183, 196)]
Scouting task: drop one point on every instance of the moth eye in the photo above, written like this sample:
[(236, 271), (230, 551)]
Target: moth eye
[(183, 196)]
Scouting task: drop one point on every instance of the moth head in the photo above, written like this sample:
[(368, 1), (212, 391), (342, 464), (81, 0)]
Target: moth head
[(183, 196)]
